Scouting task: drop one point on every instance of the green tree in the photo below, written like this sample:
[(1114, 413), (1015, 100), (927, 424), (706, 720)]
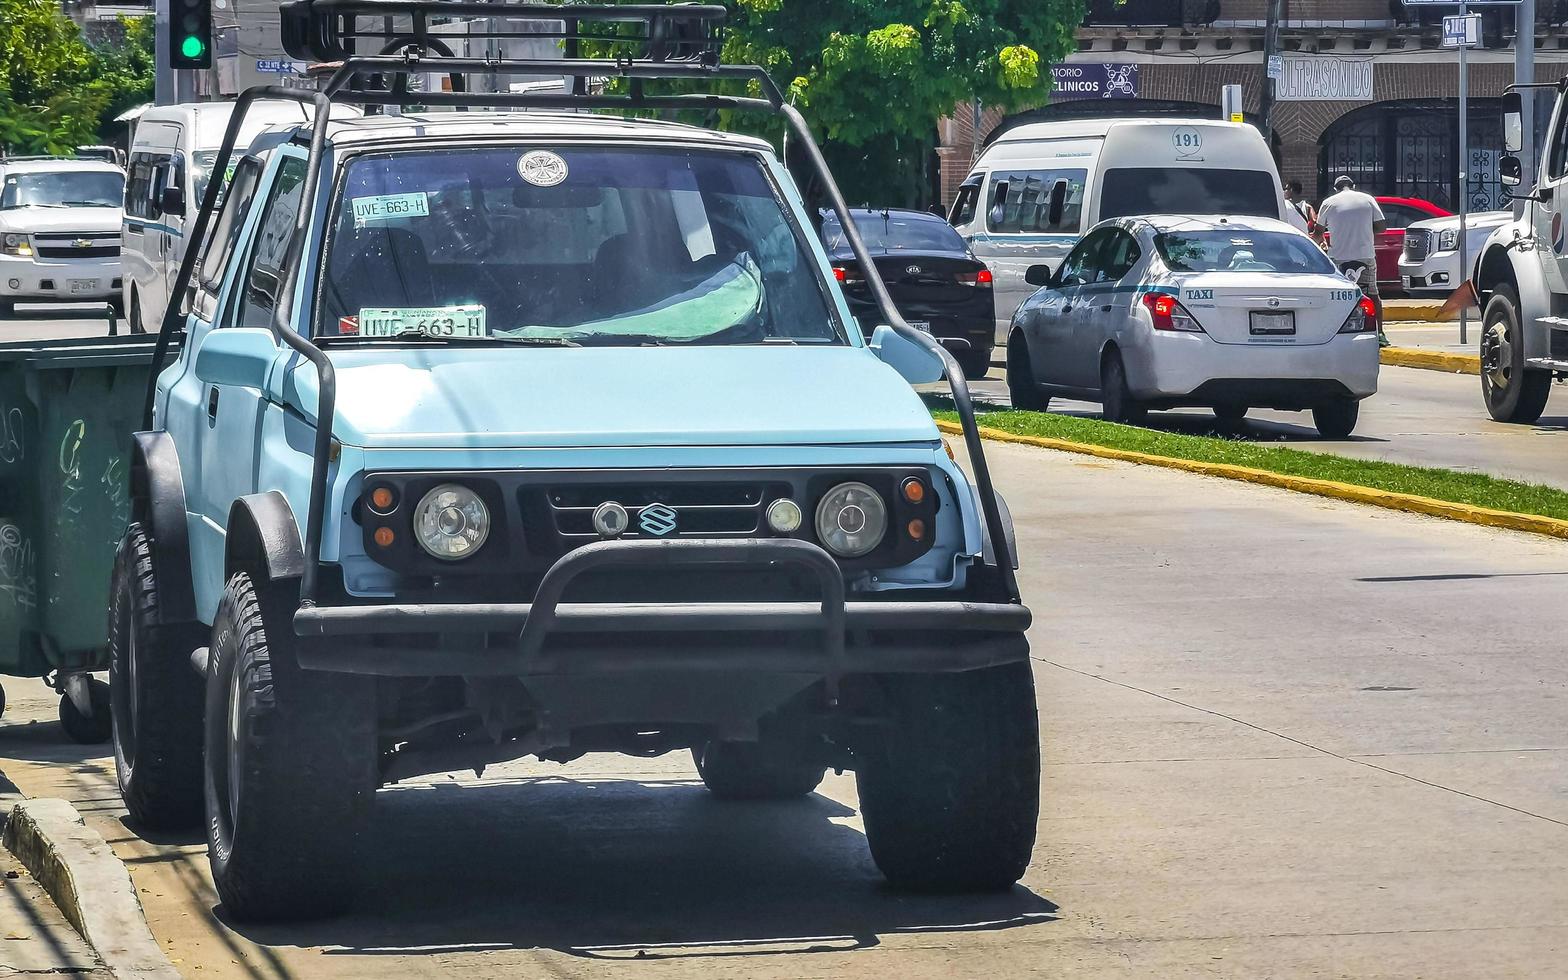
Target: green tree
[(874, 76)]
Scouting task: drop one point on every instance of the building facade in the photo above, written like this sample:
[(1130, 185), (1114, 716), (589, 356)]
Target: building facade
[(1366, 87)]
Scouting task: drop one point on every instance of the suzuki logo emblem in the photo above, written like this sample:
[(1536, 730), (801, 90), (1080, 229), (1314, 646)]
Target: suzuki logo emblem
[(656, 520)]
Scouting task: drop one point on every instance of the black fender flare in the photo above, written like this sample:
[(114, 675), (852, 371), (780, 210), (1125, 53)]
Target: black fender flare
[(263, 538), (158, 505), (987, 553)]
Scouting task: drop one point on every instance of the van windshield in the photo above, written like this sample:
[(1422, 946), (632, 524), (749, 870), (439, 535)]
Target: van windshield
[(63, 189), (588, 245), (1188, 190), (1241, 250)]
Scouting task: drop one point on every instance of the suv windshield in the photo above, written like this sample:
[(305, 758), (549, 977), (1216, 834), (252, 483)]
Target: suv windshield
[(893, 231), (1241, 250), (600, 245), (63, 189)]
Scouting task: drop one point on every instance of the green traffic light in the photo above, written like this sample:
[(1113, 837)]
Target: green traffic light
[(192, 46)]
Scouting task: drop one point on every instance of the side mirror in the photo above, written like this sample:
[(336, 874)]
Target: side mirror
[(1513, 122), (1056, 204), (914, 361), (998, 210), (171, 200), (238, 356), (1510, 171), (1038, 275)]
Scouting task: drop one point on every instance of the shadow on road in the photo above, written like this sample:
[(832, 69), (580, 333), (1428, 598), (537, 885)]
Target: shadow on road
[(616, 868), (95, 311)]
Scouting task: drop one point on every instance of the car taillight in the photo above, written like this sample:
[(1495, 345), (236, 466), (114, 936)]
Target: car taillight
[(980, 278), (1168, 314), (1362, 318), (846, 274)]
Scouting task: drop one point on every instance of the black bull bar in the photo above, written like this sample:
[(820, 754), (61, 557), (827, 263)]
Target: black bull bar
[(910, 635)]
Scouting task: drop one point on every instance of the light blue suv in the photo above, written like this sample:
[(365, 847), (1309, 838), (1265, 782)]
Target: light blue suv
[(495, 434)]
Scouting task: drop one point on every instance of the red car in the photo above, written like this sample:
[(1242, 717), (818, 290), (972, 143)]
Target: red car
[(1399, 212)]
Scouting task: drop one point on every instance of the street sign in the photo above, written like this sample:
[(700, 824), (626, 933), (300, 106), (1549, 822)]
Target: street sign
[(1276, 66), (1461, 30)]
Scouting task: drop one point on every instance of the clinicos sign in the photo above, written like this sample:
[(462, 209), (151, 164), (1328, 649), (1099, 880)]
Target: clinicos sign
[(1094, 81)]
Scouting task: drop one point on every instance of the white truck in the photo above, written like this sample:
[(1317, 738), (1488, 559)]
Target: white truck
[(1520, 276)]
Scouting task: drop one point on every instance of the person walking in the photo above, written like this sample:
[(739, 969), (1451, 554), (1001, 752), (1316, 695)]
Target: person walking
[(1353, 221)]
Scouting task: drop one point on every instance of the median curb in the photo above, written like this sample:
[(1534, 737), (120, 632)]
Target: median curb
[(1410, 503), (1431, 360), (89, 884)]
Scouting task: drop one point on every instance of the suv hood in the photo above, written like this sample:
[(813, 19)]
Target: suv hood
[(518, 397), (1486, 219), (97, 221)]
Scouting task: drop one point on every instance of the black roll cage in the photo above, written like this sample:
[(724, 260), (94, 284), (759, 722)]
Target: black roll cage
[(677, 42)]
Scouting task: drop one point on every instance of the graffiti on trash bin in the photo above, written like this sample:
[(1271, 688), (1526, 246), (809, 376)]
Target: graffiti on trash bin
[(71, 466), (11, 435), (117, 491), (18, 567)]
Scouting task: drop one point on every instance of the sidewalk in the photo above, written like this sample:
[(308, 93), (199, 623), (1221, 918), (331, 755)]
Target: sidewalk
[(34, 936)]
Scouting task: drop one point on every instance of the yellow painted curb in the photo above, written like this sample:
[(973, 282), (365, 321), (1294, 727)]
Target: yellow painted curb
[(1431, 360), (1410, 503)]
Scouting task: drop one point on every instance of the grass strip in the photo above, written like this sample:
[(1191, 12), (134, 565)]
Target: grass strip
[(1453, 486)]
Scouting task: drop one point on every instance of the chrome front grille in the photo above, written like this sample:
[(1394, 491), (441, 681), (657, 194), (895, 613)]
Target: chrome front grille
[(706, 509), (77, 245), (1418, 242)]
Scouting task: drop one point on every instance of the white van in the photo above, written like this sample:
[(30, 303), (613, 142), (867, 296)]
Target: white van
[(172, 151), (1043, 184)]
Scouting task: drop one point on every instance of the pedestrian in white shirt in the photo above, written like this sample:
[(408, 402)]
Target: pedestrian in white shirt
[(1353, 221), (1300, 214)]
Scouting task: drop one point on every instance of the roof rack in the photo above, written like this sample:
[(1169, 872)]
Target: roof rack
[(645, 41)]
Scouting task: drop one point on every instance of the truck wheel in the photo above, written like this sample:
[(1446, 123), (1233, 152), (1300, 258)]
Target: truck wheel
[(950, 793), (155, 695), (1022, 390), (290, 764), (1116, 398), (975, 363), (87, 729), (135, 321), (755, 771), (1513, 392), (1337, 419), (1231, 414)]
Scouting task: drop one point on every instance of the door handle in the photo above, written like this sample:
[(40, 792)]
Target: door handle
[(212, 404)]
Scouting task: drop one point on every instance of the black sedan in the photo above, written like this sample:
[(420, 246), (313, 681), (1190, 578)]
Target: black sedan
[(935, 281)]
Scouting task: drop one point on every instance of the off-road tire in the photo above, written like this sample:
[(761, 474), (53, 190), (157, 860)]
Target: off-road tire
[(1117, 402), (157, 698), (1512, 391), (1337, 419), (1022, 390), (85, 729), (755, 770), (950, 792), (975, 363), (304, 761)]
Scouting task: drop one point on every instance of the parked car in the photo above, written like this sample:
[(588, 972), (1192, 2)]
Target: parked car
[(1038, 186), (1399, 213), (935, 280), (1226, 312), (1429, 263), (59, 231), (172, 150)]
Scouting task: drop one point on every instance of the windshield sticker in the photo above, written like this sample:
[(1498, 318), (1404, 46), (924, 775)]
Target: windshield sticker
[(437, 321), (542, 168), (385, 207)]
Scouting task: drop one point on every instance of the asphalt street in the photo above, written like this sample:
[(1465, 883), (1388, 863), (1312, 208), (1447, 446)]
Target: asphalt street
[(1284, 736)]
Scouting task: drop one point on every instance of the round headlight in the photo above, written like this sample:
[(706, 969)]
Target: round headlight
[(14, 240), (851, 520), (451, 522), (784, 516)]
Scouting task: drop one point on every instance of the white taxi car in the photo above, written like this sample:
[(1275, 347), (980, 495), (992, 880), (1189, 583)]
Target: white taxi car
[(59, 231), (1225, 312)]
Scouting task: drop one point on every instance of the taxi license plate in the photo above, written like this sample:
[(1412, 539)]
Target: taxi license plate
[(83, 285), (1271, 324), (441, 321)]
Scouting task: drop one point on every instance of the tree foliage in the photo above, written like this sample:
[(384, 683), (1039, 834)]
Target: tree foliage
[(57, 92)]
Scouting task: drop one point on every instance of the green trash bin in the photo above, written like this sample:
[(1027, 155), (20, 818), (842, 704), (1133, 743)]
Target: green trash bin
[(67, 411)]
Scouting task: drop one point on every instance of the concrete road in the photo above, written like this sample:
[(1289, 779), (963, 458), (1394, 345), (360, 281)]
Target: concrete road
[(1424, 418), (1284, 737)]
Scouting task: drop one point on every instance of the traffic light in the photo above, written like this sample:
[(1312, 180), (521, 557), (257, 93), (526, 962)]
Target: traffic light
[(190, 33)]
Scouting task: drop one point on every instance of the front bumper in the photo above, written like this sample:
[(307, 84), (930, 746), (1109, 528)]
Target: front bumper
[(1171, 369), (829, 636), (1437, 273), (29, 278)]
